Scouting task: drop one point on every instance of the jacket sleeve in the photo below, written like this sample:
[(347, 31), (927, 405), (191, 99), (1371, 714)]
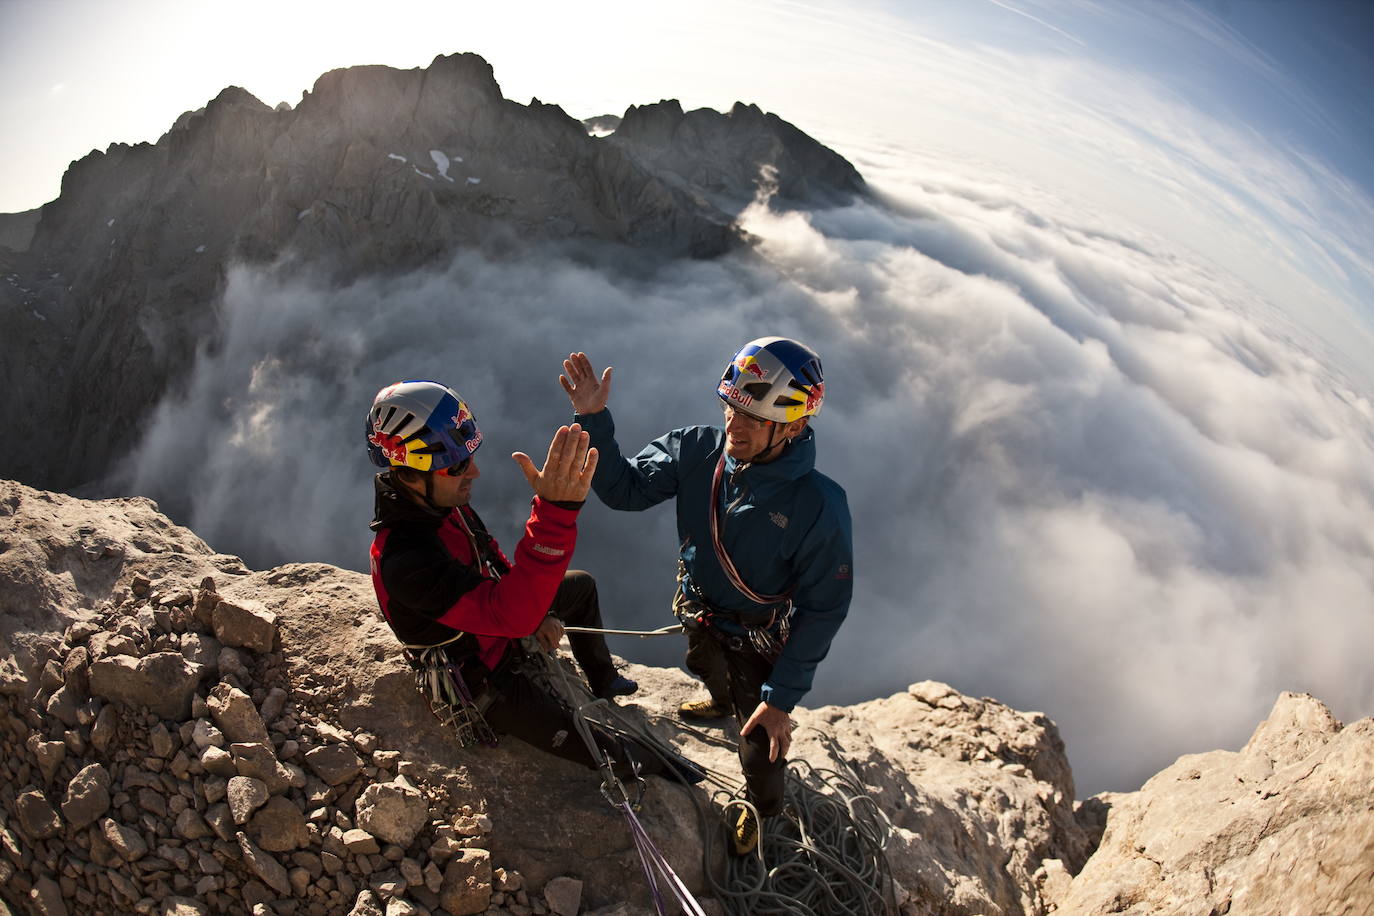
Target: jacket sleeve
[(646, 480), (821, 601), (452, 593)]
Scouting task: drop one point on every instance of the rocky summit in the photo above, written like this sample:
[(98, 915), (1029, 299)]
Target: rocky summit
[(180, 734), (111, 287)]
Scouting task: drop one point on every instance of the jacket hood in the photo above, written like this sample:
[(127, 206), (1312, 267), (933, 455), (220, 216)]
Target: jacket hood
[(392, 507)]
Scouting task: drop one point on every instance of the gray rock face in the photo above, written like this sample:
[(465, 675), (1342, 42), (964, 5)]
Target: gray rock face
[(1285, 825), (376, 169)]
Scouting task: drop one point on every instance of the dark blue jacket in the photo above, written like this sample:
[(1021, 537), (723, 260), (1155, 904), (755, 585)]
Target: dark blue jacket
[(785, 525)]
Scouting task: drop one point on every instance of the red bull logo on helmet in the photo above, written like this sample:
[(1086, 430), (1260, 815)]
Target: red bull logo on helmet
[(462, 416), (392, 446), (814, 396), (750, 364), (729, 391)]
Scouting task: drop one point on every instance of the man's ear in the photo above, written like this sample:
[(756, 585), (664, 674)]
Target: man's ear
[(796, 427)]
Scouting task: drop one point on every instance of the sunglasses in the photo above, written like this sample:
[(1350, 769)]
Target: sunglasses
[(456, 470), (749, 420)]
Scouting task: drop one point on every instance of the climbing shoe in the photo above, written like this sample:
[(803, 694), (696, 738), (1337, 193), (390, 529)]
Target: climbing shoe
[(702, 709), (618, 686), (744, 835)]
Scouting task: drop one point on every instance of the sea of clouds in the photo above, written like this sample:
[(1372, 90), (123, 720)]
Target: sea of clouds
[(1088, 475)]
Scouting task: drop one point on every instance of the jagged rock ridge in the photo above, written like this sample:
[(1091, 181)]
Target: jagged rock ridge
[(376, 169), (177, 745)]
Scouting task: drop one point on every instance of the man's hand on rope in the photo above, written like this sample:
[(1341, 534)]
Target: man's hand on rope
[(777, 724), (550, 632), (587, 393)]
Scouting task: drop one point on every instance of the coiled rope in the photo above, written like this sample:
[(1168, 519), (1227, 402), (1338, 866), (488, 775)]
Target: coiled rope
[(823, 856)]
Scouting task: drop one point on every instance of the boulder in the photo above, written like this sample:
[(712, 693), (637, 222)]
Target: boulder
[(244, 624), (163, 681), (236, 716), (336, 764), (467, 883), (245, 796), (87, 797), (564, 896), (279, 826), (393, 811), (262, 864), (36, 816)]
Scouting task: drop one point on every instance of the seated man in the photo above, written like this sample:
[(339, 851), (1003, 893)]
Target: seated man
[(444, 584)]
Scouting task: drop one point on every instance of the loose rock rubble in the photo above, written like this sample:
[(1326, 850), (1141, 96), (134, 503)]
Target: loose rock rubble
[(164, 763)]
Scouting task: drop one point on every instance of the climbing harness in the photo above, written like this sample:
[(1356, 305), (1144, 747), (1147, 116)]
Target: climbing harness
[(440, 681), (439, 676)]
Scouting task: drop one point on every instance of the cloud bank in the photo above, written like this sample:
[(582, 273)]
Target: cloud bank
[(1088, 476)]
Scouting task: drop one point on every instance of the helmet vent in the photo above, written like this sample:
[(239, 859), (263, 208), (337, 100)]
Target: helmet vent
[(757, 389)]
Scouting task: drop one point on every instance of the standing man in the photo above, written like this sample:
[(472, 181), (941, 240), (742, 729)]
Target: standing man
[(765, 570), (453, 598)]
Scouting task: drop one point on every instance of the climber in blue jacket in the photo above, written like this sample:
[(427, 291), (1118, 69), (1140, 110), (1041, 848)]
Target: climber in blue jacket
[(765, 570)]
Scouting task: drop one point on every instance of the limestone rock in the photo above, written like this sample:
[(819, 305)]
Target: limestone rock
[(564, 896), (236, 716), (366, 904), (336, 764), (182, 906), (127, 842), (262, 864), (393, 811), (36, 816), (260, 762), (245, 624), (87, 797), (1286, 824), (467, 883), (162, 681), (49, 755), (245, 796), (279, 826), (46, 898)]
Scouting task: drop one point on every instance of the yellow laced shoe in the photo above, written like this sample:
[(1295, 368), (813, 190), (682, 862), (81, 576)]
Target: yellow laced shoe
[(744, 836), (701, 709)]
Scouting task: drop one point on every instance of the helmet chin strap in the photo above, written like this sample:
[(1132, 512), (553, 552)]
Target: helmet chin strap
[(787, 440)]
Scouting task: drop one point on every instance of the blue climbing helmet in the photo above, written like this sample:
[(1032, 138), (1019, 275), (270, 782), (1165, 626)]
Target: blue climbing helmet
[(422, 425), (774, 378)]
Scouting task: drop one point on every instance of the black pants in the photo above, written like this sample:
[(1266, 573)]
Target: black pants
[(576, 605), (706, 661), (743, 671), (527, 710)]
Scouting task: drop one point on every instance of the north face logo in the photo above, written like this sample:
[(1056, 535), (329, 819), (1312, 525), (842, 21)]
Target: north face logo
[(778, 519)]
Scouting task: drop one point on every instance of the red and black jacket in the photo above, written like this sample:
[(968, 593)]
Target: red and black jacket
[(440, 573)]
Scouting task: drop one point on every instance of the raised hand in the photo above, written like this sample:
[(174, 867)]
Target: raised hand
[(568, 469), (587, 393)]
